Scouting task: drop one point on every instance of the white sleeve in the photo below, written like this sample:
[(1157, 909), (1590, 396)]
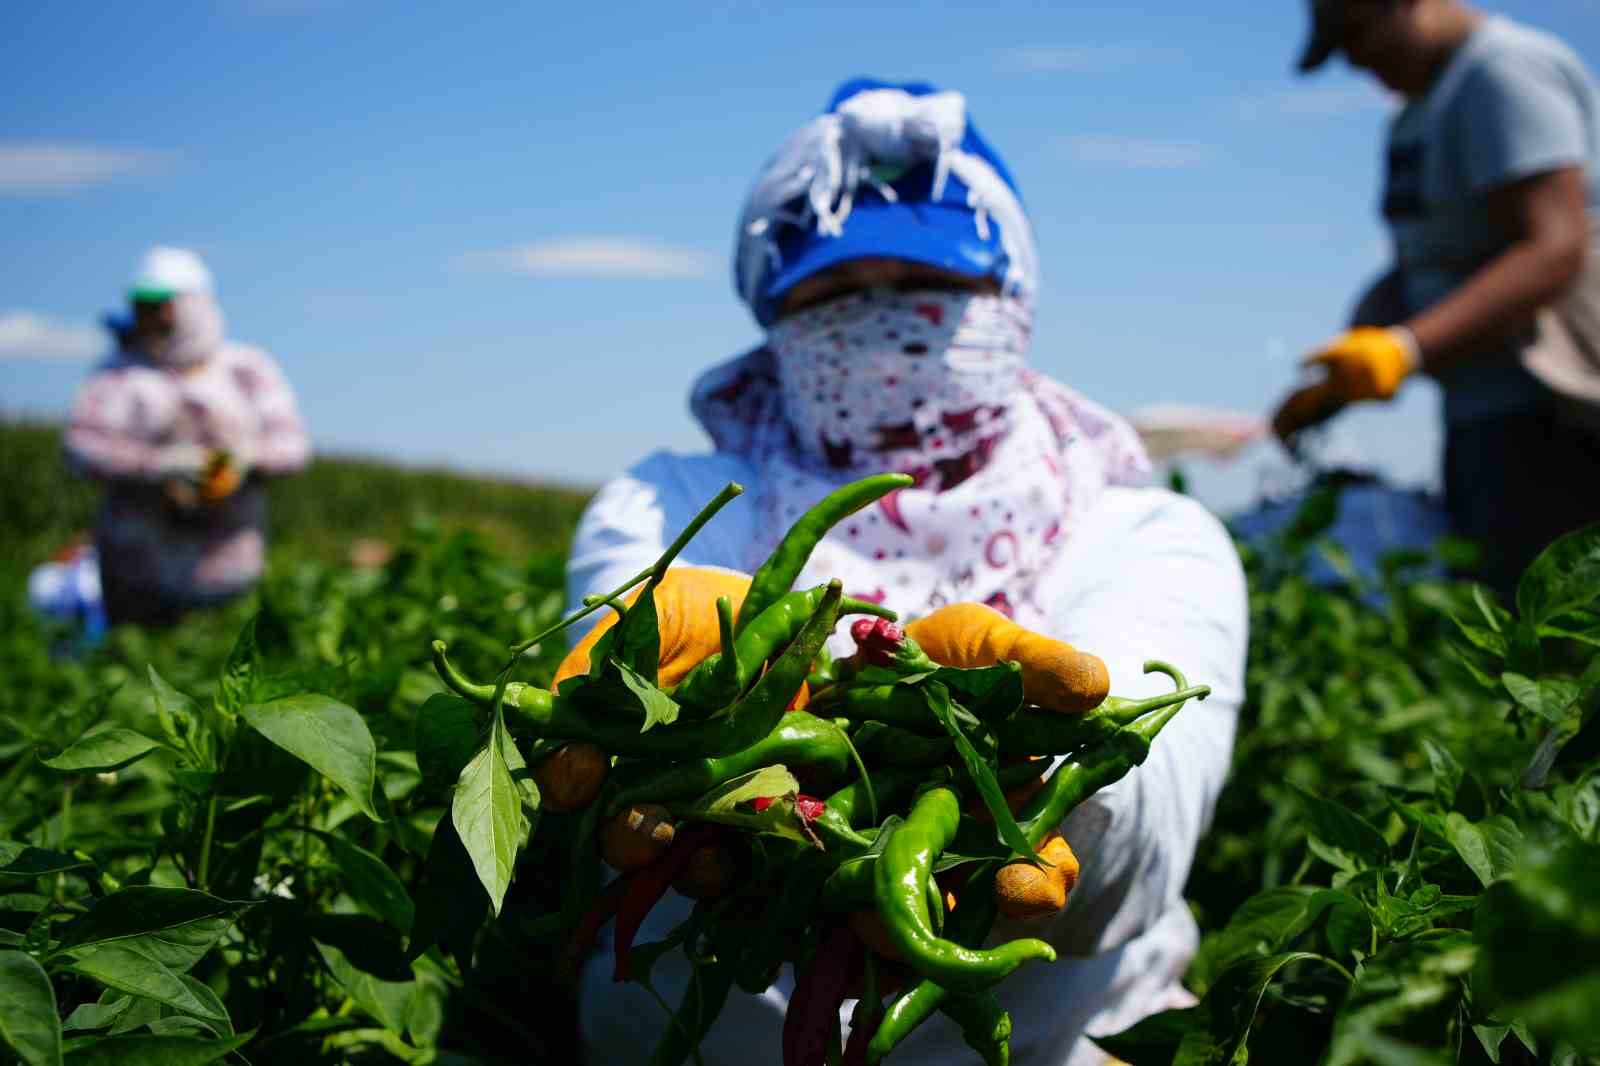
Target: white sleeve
[(1154, 576), (631, 520)]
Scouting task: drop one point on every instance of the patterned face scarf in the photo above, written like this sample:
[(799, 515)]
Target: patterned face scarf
[(197, 332), (916, 381), (932, 384)]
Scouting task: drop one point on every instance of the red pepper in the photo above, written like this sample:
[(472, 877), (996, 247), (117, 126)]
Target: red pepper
[(808, 807), (855, 1049), (878, 639), (593, 920), (814, 1007), (648, 884)]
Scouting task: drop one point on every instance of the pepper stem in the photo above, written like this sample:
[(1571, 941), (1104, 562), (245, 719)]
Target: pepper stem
[(1124, 712), (729, 491)]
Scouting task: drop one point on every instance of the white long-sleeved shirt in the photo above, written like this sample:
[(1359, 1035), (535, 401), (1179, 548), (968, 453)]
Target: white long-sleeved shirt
[(136, 425), (1146, 574)]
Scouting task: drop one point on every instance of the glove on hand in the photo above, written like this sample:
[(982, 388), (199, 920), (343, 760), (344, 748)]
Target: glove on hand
[(686, 613), (1054, 675)]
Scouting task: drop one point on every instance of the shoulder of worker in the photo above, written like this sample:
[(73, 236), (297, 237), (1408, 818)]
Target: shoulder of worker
[(1132, 521), (644, 507), (1506, 53)]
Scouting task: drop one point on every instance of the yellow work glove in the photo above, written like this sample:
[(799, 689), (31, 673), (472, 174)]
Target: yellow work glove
[(1368, 363), (686, 614), (1055, 675)]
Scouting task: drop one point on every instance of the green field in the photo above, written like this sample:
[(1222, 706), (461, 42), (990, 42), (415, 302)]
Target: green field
[(1402, 868)]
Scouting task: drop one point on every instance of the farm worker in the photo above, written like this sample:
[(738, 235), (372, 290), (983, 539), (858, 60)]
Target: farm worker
[(885, 253), (183, 426), (1493, 179)]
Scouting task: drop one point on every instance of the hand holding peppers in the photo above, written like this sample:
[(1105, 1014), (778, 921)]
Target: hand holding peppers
[(1055, 675)]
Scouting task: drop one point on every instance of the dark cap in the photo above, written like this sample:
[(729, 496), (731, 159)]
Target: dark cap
[(1324, 39)]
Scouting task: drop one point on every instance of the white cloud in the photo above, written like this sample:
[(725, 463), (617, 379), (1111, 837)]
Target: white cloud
[(27, 336), (48, 168), (1136, 153), (1327, 100), (1072, 59), (605, 257)]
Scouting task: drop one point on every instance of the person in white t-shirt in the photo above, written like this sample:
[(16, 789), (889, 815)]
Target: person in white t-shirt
[(1491, 194), (182, 426), (885, 252)]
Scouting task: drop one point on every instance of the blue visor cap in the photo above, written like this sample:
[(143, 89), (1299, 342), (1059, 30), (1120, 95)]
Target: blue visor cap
[(939, 233)]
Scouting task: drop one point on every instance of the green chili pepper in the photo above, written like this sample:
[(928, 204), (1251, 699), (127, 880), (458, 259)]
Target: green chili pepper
[(1034, 732), (710, 685), (984, 1023), (889, 745), (896, 705), (536, 711), (1075, 780), (968, 924), (778, 574), (900, 884), (1091, 769), (799, 739)]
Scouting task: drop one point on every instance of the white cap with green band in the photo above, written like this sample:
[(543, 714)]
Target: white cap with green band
[(165, 272)]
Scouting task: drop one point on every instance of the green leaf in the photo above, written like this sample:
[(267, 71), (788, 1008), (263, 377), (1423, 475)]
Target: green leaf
[(1538, 938), (182, 722), (1155, 1040), (28, 1023), (157, 1050), (1490, 640), (722, 805), (237, 682), (109, 749), (1342, 829), (1231, 1006), (1260, 926), (176, 926), (1547, 697), (990, 692), (1399, 988), (449, 730), (767, 781), (126, 968), (449, 907), (487, 813), (659, 708), (386, 1002), (1447, 772), (1492, 613), (638, 644), (326, 735), (1583, 807), (365, 942), (97, 1015), (978, 770), (370, 881), (1564, 576), (24, 860), (1489, 847)]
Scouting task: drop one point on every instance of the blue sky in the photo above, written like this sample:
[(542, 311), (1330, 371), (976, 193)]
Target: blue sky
[(497, 236)]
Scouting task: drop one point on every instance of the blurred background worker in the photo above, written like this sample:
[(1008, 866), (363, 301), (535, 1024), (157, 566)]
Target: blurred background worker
[(1493, 174), (182, 425)]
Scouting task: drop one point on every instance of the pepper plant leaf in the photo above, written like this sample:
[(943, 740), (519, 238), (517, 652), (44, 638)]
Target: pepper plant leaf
[(175, 926), (109, 749), (448, 732), (28, 1023), (157, 1050), (978, 769), (1489, 847), (1564, 576), (330, 737), (658, 707), (487, 814)]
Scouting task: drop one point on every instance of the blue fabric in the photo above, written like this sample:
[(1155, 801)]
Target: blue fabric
[(916, 229)]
